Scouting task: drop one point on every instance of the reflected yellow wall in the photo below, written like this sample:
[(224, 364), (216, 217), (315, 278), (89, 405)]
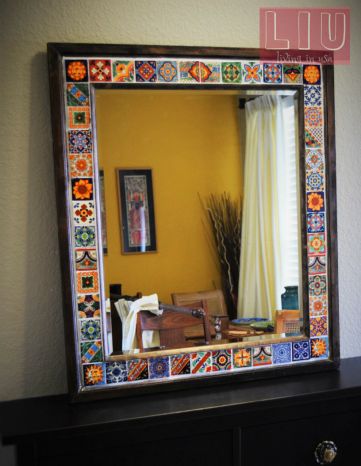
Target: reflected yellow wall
[(191, 143)]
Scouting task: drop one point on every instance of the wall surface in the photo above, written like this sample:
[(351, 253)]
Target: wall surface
[(31, 330)]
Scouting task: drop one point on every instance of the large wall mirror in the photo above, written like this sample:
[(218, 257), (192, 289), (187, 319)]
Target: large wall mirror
[(196, 199)]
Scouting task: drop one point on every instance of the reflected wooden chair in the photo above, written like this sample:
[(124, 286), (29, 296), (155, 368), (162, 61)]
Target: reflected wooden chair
[(171, 324), (288, 321)]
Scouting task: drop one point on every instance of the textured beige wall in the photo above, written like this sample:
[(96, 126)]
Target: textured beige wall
[(32, 361)]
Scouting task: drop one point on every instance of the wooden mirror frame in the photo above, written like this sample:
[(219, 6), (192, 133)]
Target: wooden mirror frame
[(90, 374)]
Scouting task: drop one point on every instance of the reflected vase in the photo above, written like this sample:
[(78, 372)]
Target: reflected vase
[(289, 298)]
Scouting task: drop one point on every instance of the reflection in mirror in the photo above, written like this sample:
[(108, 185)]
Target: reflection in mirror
[(201, 213)]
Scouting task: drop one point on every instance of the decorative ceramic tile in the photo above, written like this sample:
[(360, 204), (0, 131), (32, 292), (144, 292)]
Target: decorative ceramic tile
[(79, 141), (77, 94), (79, 117), (189, 71), (90, 329), (84, 236), (180, 364), (317, 285), (318, 305), (232, 72), (315, 160), (282, 353), (80, 165), (87, 282), (311, 74), (85, 259), (315, 181), (242, 358), (91, 352), (137, 369), (312, 96), (100, 70), (318, 326), (316, 265), (83, 213), (316, 243), (316, 202), (262, 355), (314, 137), (88, 306), (252, 72), (292, 73), (76, 70), (123, 71), (313, 117), (158, 367), (319, 348), (316, 223), (272, 73), (94, 374), (145, 71), (82, 189), (222, 360), (210, 72), (301, 350), (116, 372), (201, 362), (167, 71)]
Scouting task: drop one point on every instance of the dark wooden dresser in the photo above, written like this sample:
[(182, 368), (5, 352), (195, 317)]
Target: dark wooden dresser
[(273, 422)]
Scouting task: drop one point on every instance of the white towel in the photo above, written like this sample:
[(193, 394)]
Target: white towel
[(128, 311)]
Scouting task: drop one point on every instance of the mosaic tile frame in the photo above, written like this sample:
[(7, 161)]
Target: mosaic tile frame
[(74, 70)]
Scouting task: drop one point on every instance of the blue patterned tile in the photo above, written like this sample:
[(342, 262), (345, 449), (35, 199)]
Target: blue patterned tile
[(221, 360), (116, 372), (313, 96), (272, 73), (145, 71), (301, 350), (167, 71), (91, 351), (316, 223), (158, 367), (282, 353), (80, 141), (90, 329), (84, 236)]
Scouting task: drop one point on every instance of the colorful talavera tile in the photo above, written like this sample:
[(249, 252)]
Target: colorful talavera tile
[(315, 181), (316, 222), (158, 367), (100, 70), (90, 329), (316, 265), (86, 259), (262, 355), (88, 306), (82, 189), (76, 70), (232, 72), (272, 73), (292, 73), (315, 160), (79, 117), (123, 71), (318, 305), (94, 374), (180, 364), (312, 96), (252, 72), (316, 202), (242, 358), (84, 236), (145, 71), (311, 74), (79, 141), (189, 71), (116, 372), (318, 326), (319, 348), (301, 350), (314, 137), (91, 352), (137, 369), (77, 94), (201, 362), (84, 213), (81, 165), (316, 244), (221, 360), (87, 282), (167, 71), (210, 72), (282, 353), (317, 285), (313, 117)]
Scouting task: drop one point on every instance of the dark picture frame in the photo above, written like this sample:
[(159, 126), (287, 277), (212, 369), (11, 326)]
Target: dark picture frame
[(137, 221)]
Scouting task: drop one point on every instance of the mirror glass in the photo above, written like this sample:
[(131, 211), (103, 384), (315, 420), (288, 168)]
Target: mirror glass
[(200, 210)]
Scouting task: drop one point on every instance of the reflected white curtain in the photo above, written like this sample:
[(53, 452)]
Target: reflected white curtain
[(261, 262)]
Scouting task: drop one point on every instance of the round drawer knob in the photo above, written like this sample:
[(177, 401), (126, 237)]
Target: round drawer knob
[(325, 452)]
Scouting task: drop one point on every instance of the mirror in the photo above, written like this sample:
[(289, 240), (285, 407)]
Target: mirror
[(197, 215)]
